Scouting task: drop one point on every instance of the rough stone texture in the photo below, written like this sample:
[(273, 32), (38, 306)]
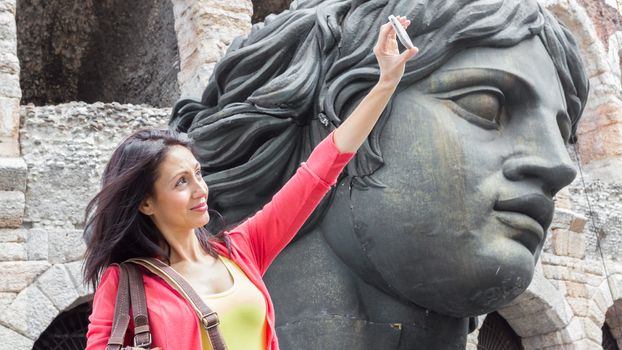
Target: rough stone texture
[(132, 54), (37, 245), (30, 313), (602, 204), (75, 271), (10, 92), (97, 51), (66, 148), (15, 276), (13, 340), (58, 286), (65, 246), (6, 298), (11, 208), (204, 32), (13, 173), (13, 252), (13, 235)]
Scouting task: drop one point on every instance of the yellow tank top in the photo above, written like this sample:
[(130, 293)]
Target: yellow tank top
[(241, 310)]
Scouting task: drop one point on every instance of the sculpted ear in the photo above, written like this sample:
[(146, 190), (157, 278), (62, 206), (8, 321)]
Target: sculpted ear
[(146, 206)]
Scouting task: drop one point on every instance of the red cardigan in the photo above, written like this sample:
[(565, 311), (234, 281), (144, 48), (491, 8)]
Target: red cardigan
[(254, 245)]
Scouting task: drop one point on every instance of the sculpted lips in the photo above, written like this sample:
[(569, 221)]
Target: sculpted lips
[(538, 207)]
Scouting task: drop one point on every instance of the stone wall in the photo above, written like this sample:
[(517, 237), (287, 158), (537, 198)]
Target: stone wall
[(45, 187), (65, 148)]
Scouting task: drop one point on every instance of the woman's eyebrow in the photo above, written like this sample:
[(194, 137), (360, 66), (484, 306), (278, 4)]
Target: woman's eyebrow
[(197, 165)]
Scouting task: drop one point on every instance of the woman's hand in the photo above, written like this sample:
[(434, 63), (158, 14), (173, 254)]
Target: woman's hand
[(351, 134), (391, 62)]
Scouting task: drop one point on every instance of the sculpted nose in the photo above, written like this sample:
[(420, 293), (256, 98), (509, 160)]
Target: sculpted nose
[(552, 172)]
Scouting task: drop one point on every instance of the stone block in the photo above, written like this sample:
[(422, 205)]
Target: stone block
[(578, 224), (594, 313), (12, 205), (13, 252), (593, 331), (13, 235), (75, 271), (38, 245), (577, 290), (579, 306), (6, 299), (584, 344), (568, 243), (13, 340), (602, 298), (13, 174), (15, 276), (575, 331), (65, 246), (58, 286), (30, 313)]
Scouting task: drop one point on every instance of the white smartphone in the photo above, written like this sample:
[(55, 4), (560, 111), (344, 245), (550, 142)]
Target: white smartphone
[(401, 33)]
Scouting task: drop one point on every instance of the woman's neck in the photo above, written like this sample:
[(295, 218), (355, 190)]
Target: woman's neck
[(184, 247)]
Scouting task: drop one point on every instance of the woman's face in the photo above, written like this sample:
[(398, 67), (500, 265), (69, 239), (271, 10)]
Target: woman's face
[(178, 204), (473, 156)]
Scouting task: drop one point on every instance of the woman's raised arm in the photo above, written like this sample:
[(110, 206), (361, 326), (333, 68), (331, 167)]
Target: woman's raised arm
[(351, 134)]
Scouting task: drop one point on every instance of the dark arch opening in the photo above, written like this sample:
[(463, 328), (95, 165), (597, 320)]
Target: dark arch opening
[(67, 331), (106, 51), (609, 342), (262, 8), (496, 334)]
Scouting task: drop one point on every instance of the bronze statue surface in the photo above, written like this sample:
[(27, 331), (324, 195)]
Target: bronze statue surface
[(443, 213)]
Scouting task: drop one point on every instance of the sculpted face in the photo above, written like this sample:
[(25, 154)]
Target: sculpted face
[(473, 155)]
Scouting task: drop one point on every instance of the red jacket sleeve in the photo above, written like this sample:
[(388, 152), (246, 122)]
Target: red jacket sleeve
[(100, 321), (274, 226)]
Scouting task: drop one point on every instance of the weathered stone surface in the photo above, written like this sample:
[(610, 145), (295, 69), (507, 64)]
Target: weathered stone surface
[(101, 50), (13, 174), (66, 148), (15, 276), (75, 271), (567, 243), (6, 299), (12, 340), (12, 205), (58, 286), (13, 252), (13, 235), (602, 204), (37, 244), (10, 91), (30, 313), (65, 246), (204, 32)]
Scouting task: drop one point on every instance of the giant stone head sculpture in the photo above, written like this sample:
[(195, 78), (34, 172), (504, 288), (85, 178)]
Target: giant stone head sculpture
[(442, 214)]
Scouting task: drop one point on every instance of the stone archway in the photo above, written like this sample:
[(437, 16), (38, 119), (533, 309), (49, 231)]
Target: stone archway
[(57, 289), (539, 311), (612, 311)]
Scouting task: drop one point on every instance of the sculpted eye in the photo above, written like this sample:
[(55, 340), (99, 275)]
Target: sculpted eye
[(479, 105)]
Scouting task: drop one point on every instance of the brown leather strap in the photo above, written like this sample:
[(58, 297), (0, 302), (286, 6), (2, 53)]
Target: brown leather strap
[(209, 318), (121, 318), (142, 334)]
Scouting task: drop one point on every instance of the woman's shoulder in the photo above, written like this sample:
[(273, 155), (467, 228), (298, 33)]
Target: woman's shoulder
[(110, 277)]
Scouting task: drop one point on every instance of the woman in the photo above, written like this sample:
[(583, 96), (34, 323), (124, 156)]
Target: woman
[(153, 203)]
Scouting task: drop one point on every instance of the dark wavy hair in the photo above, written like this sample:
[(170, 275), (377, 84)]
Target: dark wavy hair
[(279, 91), (115, 230)]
